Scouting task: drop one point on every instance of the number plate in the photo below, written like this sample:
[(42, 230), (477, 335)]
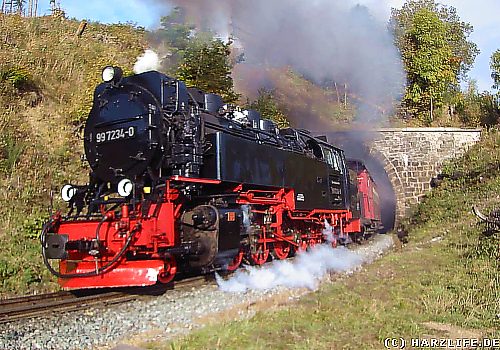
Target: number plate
[(115, 134)]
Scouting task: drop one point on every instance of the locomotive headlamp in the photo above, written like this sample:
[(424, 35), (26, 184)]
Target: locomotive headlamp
[(112, 74), (108, 74), (68, 192), (125, 187)]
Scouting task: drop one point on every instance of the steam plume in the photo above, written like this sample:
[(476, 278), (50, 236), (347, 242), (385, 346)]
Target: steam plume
[(149, 60), (324, 40), (304, 271)]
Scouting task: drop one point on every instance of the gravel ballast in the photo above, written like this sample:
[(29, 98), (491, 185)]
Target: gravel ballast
[(172, 314)]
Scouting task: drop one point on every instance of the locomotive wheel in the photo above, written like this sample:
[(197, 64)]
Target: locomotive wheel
[(233, 265), (281, 250), (168, 273), (261, 256)]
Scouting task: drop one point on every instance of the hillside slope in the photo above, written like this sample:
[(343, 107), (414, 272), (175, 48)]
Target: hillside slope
[(305, 104), (47, 77)]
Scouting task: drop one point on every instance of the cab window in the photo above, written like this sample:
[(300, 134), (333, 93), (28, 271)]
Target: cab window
[(339, 166), (332, 159)]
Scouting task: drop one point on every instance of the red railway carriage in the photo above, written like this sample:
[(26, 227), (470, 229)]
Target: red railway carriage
[(367, 198), (182, 182)]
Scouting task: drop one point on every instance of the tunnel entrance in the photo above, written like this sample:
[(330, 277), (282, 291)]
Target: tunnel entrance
[(354, 144)]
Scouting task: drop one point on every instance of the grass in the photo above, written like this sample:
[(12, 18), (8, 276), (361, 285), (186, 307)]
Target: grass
[(448, 275), (47, 77)]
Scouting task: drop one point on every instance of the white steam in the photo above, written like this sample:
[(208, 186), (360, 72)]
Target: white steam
[(148, 61), (325, 40), (305, 271), (328, 234)]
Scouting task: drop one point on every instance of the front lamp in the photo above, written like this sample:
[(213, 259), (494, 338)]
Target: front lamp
[(112, 74), (125, 188), (68, 192)]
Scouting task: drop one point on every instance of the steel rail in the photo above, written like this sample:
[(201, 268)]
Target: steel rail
[(24, 307), (18, 308)]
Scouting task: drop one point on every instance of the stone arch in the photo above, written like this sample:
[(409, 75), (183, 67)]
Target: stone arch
[(409, 157), (396, 182)]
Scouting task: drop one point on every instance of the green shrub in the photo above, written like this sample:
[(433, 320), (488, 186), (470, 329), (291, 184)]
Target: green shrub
[(269, 108), (11, 149), (7, 270), (16, 76), (30, 276), (33, 226)]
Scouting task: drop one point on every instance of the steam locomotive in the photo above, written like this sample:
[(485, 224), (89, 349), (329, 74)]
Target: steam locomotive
[(180, 181)]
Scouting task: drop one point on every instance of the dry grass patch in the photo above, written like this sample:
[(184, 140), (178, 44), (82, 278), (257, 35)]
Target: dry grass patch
[(47, 77)]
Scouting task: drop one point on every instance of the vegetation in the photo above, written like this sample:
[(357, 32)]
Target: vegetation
[(458, 32), (267, 106), (47, 77), (476, 108), (444, 283), (207, 66), (436, 53), (304, 104), (16, 77), (495, 69), (175, 32), (198, 58), (429, 56)]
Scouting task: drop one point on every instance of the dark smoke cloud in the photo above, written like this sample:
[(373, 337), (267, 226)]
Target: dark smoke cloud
[(324, 40)]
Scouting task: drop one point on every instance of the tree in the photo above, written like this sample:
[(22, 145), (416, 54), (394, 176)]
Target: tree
[(436, 52), (490, 108), (175, 31), (469, 106), (478, 109), (495, 69), (207, 65), (267, 106), (173, 37), (428, 60), (457, 31), (198, 58)]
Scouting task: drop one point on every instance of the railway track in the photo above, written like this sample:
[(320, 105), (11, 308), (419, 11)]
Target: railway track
[(25, 307)]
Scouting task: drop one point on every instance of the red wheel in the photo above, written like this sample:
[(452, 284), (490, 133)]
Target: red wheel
[(233, 265), (261, 256), (168, 273), (281, 250)]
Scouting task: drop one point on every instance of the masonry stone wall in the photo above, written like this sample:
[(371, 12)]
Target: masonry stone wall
[(413, 156)]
